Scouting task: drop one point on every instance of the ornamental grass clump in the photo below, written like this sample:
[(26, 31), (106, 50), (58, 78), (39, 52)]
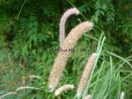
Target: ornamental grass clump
[(65, 16), (64, 53), (86, 73)]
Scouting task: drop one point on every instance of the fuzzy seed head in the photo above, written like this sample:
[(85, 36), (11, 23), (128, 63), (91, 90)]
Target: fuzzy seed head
[(86, 73), (64, 54), (122, 95), (63, 88), (65, 16), (87, 97)]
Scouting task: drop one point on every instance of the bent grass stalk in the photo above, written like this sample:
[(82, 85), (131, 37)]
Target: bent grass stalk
[(65, 16), (34, 76), (18, 89), (64, 54), (21, 9), (7, 94), (121, 58), (27, 87)]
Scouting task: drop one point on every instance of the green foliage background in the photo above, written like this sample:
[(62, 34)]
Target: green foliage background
[(29, 37)]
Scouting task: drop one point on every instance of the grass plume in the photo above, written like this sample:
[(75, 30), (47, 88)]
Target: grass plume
[(63, 88), (64, 54), (65, 16), (86, 74)]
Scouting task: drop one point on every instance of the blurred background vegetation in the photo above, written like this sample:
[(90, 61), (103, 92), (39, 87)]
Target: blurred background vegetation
[(29, 35)]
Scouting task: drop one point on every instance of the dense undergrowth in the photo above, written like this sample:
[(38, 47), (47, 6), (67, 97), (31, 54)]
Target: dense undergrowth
[(29, 44)]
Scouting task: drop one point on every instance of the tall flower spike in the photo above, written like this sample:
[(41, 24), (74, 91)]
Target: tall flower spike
[(63, 20), (63, 55), (86, 74), (63, 88)]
